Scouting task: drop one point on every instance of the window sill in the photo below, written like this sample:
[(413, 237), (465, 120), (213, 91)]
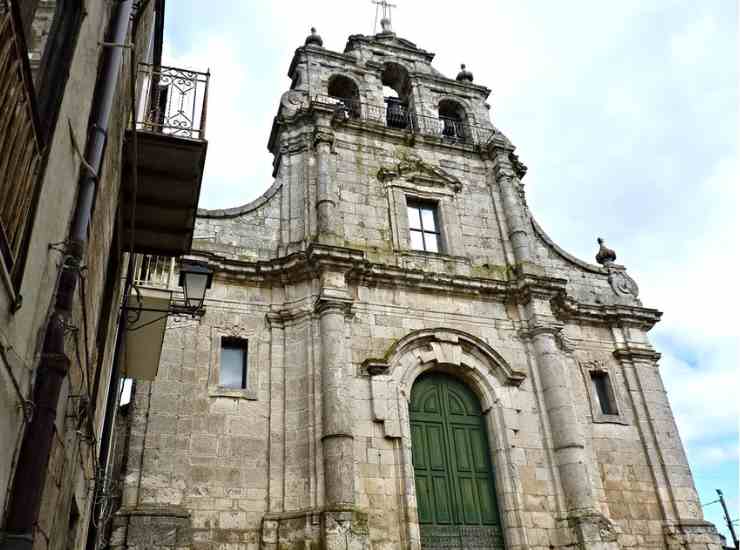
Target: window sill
[(435, 261), (424, 254), (609, 419), (234, 393)]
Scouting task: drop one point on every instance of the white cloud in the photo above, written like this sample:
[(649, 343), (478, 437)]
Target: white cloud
[(712, 455), (693, 43), (703, 395)]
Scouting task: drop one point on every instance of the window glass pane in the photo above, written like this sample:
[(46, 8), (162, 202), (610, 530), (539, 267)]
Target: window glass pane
[(231, 373), (603, 392), (430, 239), (427, 218), (417, 242), (414, 221)]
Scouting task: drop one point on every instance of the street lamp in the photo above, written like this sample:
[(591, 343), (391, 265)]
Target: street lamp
[(195, 279), (147, 313)]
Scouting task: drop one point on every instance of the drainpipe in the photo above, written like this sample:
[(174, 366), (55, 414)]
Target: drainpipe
[(33, 460)]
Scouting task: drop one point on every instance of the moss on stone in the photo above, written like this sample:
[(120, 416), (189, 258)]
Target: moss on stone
[(488, 271)]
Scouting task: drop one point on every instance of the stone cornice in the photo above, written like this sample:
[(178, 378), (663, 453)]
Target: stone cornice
[(280, 318), (522, 288), (634, 354), (567, 308), (391, 42), (319, 52)]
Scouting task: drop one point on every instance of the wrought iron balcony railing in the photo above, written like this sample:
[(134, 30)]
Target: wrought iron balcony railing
[(20, 136), (396, 115), (174, 101)]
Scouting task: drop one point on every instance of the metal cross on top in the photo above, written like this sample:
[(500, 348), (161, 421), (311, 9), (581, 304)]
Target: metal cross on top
[(385, 21)]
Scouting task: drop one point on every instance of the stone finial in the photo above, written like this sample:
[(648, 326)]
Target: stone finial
[(385, 25), (605, 256), (314, 39), (464, 75)]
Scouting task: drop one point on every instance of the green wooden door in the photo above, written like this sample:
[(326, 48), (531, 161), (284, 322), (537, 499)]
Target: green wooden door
[(454, 476)]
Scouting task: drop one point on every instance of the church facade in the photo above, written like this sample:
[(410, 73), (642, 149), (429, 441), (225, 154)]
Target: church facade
[(395, 355)]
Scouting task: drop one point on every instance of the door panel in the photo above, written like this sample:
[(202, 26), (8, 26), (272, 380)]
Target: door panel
[(437, 446), (454, 475), (462, 449)]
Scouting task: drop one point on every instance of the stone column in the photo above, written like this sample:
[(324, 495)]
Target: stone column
[(514, 210), (567, 437), (592, 530), (337, 439), (325, 194)]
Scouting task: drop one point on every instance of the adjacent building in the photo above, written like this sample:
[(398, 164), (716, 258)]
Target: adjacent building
[(83, 101), (394, 354)]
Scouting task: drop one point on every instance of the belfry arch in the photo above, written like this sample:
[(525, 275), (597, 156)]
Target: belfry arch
[(466, 361)]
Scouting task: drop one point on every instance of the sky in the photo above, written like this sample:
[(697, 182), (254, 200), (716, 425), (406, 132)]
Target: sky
[(625, 113)]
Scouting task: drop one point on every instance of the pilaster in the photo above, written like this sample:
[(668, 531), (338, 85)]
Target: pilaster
[(519, 230), (276, 441), (326, 193)]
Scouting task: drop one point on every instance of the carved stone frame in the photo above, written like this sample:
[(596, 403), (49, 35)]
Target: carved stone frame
[(602, 366), (491, 379), (413, 179), (217, 336)]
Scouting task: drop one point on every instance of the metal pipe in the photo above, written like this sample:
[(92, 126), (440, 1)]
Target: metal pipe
[(33, 460), (103, 104)]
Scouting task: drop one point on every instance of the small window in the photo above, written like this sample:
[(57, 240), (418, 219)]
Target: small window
[(423, 226), (604, 392), (233, 371)]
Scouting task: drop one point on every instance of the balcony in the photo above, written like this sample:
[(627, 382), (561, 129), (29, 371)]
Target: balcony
[(168, 147), (397, 116), (155, 281), (20, 138), (155, 272)]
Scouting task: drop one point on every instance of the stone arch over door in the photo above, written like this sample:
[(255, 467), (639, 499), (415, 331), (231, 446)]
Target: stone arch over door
[(488, 376)]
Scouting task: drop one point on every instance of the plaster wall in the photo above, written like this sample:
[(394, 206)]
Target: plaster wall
[(70, 470)]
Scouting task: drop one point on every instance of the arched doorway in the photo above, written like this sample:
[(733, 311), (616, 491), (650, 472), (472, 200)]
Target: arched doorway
[(455, 491)]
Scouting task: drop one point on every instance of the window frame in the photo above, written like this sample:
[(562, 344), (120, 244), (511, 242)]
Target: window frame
[(221, 334), (604, 392), (421, 205), (598, 368)]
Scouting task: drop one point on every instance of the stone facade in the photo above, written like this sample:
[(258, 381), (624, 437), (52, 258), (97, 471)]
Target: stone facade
[(342, 316)]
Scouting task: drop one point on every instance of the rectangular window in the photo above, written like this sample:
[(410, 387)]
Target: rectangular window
[(423, 226), (604, 392), (233, 370)]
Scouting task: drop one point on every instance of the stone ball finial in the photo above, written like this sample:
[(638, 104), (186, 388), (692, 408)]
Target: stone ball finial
[(314, 39), (605, 256), (464, 75)]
